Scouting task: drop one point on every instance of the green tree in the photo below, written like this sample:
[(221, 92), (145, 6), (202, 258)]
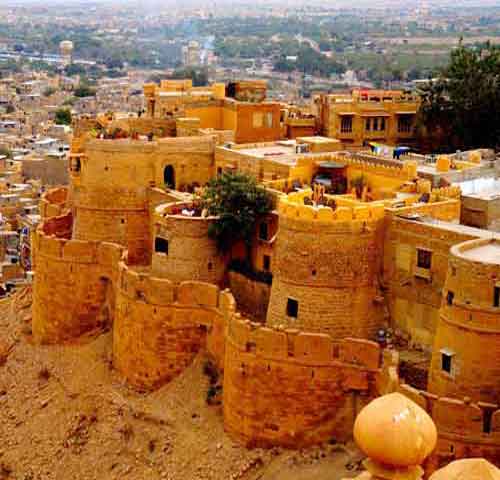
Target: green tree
[(238, 201), (84, 90), (461, 109), (5, 152), (199, 76), (63, 116), (49, 91)]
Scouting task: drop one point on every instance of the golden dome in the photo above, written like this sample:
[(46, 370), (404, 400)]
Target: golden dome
[(394, 431), (468, 469)]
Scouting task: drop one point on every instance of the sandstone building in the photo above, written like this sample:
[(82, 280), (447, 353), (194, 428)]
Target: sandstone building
[(356, 243)]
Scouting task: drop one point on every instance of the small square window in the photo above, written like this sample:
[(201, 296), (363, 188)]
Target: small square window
[(446, 361), (424, 258), (161, 245), (266, 263), (449, 297), (269, 119), (263, 231), (292, 308), (258, 120)]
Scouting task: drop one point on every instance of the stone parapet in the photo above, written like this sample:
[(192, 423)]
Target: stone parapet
[(465, 428), (71, 284), (160, 326), (290, 388)]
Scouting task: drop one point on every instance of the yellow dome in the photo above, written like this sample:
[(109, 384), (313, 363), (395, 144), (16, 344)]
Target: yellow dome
[(395, 431), (468, 469)]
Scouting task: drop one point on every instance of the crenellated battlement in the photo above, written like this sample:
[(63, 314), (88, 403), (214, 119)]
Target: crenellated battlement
[(52, 241), (160, 325), (293, 388), (141, 284), (370, 164), (292, 206), (293, 346), (54, 202), (459, 419)]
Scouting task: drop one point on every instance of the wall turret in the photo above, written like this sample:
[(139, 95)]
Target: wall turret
[(325, 269)]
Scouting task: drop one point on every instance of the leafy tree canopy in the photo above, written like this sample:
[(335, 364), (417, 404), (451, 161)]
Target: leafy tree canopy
[(84, 90), (63, 116), (463, 105), (238, 201)]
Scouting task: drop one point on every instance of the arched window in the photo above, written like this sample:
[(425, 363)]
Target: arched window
[(169, 176)]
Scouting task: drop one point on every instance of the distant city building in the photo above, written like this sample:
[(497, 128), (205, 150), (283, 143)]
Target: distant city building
[(191, 53), (66, 48)]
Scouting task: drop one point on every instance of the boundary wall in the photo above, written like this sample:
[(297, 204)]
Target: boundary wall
[(465, 429), (160, 325), (71, 292), (283, 387)]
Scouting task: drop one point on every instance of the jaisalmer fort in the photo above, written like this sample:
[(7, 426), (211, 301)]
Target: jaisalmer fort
[(354, 331)]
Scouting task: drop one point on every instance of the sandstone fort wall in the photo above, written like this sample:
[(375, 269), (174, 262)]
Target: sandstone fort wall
[(469, 326), (283, 387), (465, 429), (72, 282), (160, 326)]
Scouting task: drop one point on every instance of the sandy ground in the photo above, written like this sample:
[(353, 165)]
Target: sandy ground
[(66, 414)]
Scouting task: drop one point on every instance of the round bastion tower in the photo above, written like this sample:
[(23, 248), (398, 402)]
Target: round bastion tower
[(465, 360), (109, 184), (325, 278), (182, 248)]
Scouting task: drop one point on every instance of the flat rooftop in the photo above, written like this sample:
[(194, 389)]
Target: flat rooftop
[(454, 227), (270, 151), (481, 188), (489, 253)]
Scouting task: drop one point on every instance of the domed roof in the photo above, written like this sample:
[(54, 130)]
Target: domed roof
[(395, 431), (468, 469)]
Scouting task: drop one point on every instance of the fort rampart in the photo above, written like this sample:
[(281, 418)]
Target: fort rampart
[(468, 333), (72, 282), (284, 387), (160, 326), (465, 429)]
